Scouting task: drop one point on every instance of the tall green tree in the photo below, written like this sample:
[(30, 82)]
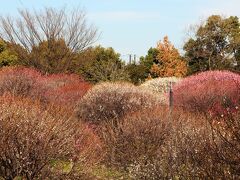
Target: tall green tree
[(7, 57), (150, 58), (137, 72), (140, 71), (52, 56), (102, 64), (216, 45)]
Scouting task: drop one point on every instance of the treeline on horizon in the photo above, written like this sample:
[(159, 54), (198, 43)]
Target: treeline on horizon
[(56, 41)]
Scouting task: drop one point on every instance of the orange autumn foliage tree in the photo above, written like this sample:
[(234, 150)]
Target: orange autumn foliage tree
[(169, 61)]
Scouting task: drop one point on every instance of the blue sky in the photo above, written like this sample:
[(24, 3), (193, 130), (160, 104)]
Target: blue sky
[(133, 26)]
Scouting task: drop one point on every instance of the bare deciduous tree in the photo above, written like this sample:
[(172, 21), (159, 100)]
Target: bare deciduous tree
[(32, 28)]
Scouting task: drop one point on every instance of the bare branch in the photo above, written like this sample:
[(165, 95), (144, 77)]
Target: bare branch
[(32, 28)]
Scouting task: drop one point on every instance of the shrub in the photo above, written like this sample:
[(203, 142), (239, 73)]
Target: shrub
[(184, 155), (61, 89), (157, 144), (58, 80), (32, 139), (108, 102), (227, 152), (20, 81), (154, 144), (65, 89), (69, 95), (137, 136), (215, 92), (161, 86)]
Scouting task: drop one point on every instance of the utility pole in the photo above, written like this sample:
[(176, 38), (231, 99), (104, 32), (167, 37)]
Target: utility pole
[(170, 101), (170, 95), (130, 59), (135, 58)]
